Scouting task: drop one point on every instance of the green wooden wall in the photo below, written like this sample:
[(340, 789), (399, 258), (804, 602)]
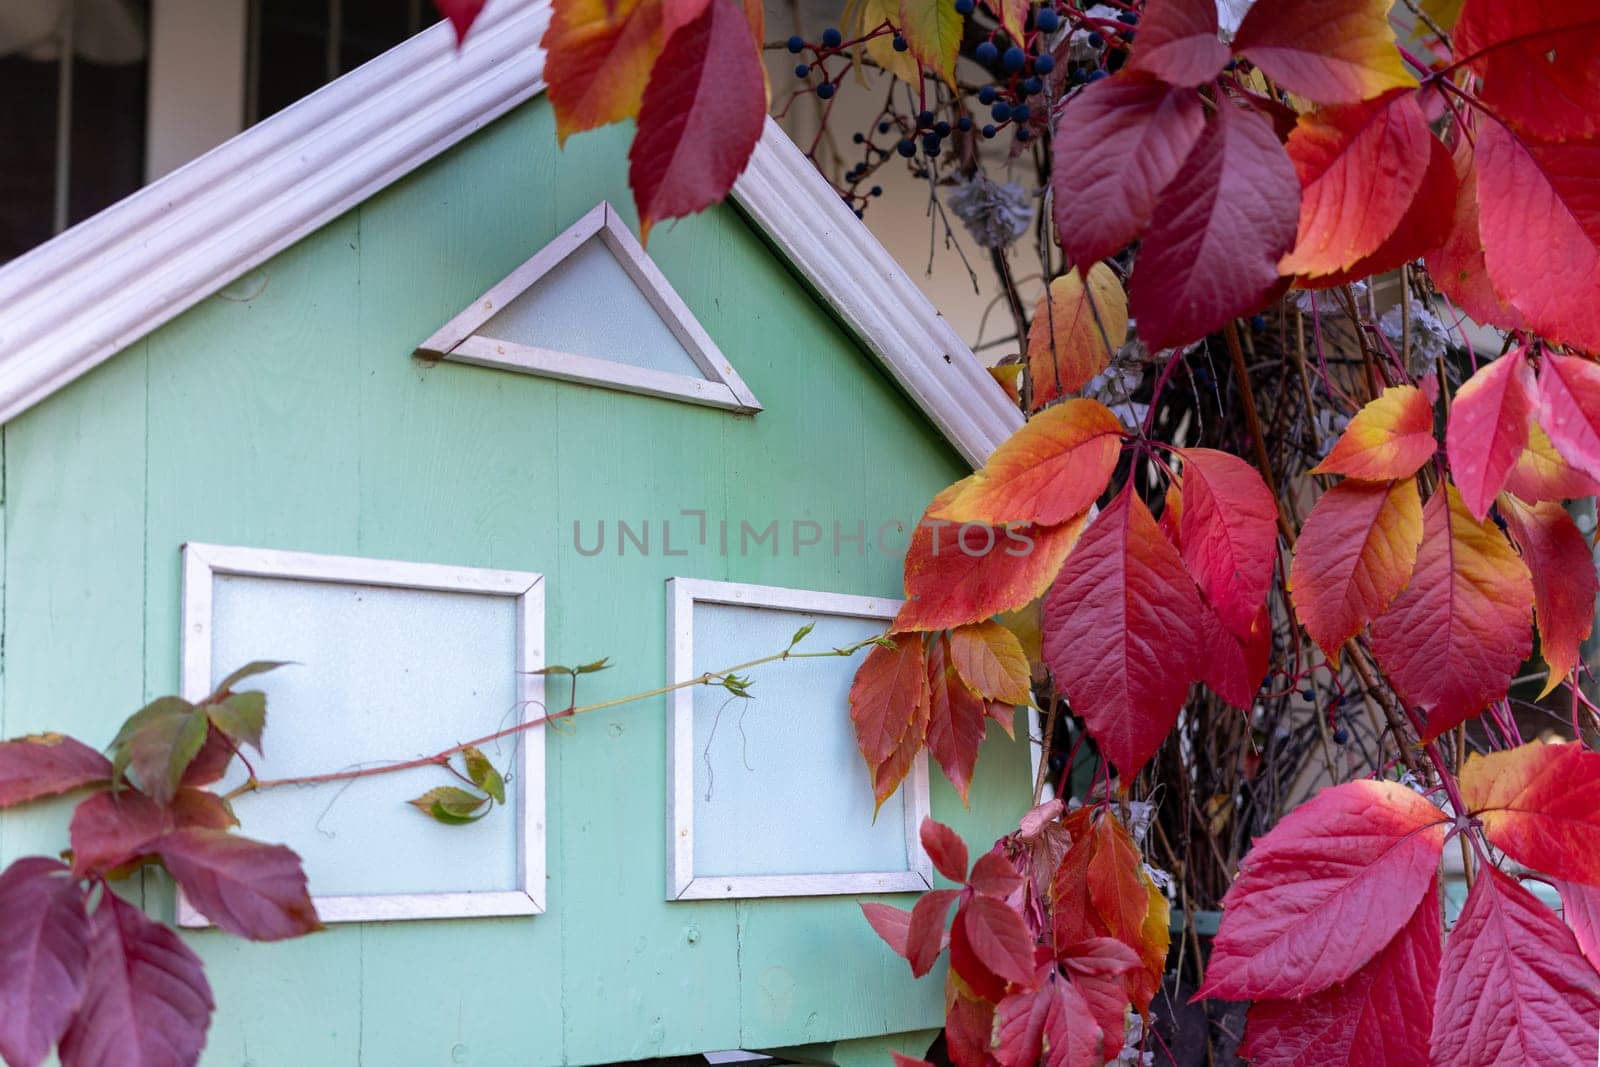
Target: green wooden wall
[(286, 412)]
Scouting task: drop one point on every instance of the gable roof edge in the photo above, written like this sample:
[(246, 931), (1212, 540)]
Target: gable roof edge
[(74, 302)]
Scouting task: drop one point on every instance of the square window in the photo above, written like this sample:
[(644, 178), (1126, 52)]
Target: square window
[(390, 662), (770, 796)]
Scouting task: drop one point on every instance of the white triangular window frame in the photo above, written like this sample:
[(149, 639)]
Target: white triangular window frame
[(459, 341)]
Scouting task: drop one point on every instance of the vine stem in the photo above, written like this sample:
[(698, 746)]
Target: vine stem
[(442, 758)]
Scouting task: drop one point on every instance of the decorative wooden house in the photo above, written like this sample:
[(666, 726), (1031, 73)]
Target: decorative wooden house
[(386, 387)]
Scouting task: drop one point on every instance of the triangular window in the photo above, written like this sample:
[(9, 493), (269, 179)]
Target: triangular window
[(591, 307)]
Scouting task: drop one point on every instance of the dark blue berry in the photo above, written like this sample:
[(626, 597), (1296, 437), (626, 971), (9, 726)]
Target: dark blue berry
[(1032, 86), (831, 38), (1341, 736), (1024, 134), (1001, 111), (988, 131), (1097, 75), (1079, 75), (907, 147), (930, 143), (1044, 64), (1095, 40), (986, 53), (1020, 113), (796, 44), (1014, 58), (942, 128), (825, 91), (924, 120), (802, 70), (1309, 694), (1115, 59), (1047, 19), (986, 95), (1128, 36), (900, 43), (883, 127), (876, 190), (964, 7), (1258, 322), (858, 138), (1128, 18), (964, 123), (859, 215), (931, 150)]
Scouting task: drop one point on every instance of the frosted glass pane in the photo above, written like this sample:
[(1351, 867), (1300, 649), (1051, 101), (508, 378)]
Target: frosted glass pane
[(383, 675), (779, 785), (588, 306)]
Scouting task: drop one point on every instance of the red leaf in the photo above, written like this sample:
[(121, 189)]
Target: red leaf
[(1119, 632), (1051, 1025), (995, 876), (1212, 250), (1048, 472), (1453, 640), (1580, 907), (146, 1002), (1178, 42), (462, 14), (1514, 989), (44, 951), (891, 924), (1373, 154), (1073, 917), (1541, 805), (1542, 473), (210, 764), (1539, 216), (598, 58), (945, 848), (1118, 144), (956, 718), (1102, 969), (1381, 1017), (1234, 669), (967, 1025), (701, 116), (250, 889), (1356, 552), (889, 707), (1333, 51), (968, 573), (1324, 891), (1424, 227), (47, 765), (1569, 409), (1229, 534), (990, 659), (1117, 886), (1390, 437), (1564, 581), (998, 938), (925, 935), (1489, 423), (1456, 264), (1540, 62), (110, 829)]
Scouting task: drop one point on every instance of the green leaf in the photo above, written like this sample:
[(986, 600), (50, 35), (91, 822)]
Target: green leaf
[(249, 670), (451, 806), (483, 774), (159, 741), (596, 666), (242, 716), (933, 30), (801, 634)]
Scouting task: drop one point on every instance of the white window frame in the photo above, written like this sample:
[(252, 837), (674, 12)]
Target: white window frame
[(682, 882), (202, 563), (458, 341)]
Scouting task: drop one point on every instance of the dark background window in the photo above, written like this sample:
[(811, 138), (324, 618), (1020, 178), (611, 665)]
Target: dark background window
[(298, 46)]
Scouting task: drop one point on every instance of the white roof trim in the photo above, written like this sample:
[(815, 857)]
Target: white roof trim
[(462, 340), (74, 302)]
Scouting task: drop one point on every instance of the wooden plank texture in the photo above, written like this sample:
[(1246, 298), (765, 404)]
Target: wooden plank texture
[(288, 414)]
